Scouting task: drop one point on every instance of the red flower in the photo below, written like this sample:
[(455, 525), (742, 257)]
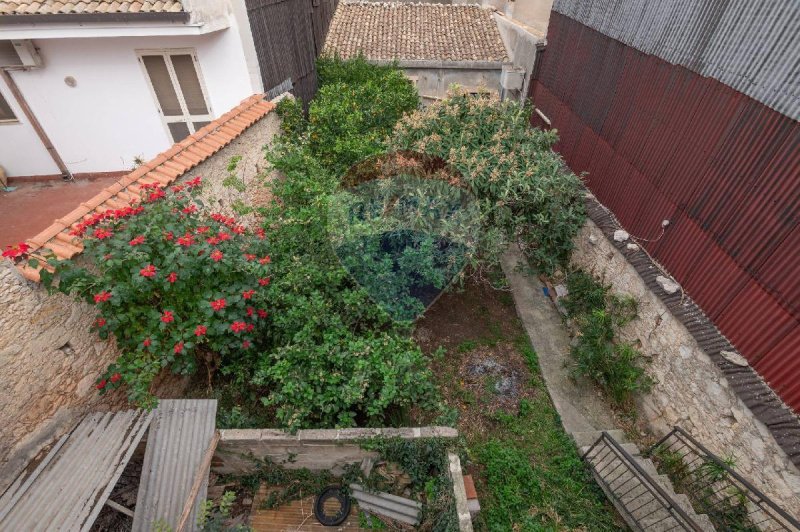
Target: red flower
[(186, 240), (262, 313), (238, 229), (203, 229), (178, 348), (102, 296), (238, 326), (216, 255), (247, 294), (260, 233), (177, 188), (250, 327), (101, 322), (264, 260), (102, 234), (101, 384), (146, 342), (250, 311), (200, 330), (246, 345), (136, 241), (167, 316), (169, 236), (223, 236), (264, 281), (116, 377), (213, 240), (190, 209), (148, 271), (249, 256), (218, 304), (16, 251), (172, 277), (156, 195), (194, 182)]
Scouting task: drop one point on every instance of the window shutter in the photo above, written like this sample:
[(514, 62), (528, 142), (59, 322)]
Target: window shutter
[(190, 84), (162, 85)]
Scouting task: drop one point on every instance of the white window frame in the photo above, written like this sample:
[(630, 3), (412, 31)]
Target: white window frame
[(185, 117)]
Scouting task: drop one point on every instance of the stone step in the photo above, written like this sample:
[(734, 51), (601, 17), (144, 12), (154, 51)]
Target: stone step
[(587, 438)]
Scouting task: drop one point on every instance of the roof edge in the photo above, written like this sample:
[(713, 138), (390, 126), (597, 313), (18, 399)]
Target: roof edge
[(440, 63), (67, 18)]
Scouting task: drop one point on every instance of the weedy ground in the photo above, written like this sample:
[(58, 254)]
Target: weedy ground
[(527, 471)]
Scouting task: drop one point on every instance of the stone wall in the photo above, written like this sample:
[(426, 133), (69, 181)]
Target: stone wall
[(50, 362), (690, 390)]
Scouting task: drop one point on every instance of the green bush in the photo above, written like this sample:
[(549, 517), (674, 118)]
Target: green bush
[(523, 187), (175, 287), (355, 109), (616, 366), (345, 380), (336, 357)]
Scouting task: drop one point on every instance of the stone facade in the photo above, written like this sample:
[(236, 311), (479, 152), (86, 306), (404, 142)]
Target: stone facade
[(690, 390)]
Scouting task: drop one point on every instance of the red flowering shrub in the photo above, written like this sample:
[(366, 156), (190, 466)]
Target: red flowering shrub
[(170, 301)]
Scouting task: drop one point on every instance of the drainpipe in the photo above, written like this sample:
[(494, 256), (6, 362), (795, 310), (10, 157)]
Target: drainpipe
[(48, 145)]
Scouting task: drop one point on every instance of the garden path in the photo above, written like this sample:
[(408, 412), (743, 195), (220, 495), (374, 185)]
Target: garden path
[(579, 403)]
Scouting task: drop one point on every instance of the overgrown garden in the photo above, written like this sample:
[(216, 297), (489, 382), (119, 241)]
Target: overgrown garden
[(277, 325)]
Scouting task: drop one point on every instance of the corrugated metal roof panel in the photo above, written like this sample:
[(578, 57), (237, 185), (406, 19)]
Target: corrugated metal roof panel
[(180, 434), (71, 485), (753, 47)]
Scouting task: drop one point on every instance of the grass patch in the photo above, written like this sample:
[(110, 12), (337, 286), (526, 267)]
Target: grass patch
[(527, 470)]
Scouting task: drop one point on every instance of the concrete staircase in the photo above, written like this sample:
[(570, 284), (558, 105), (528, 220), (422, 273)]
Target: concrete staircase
[(632, 490)]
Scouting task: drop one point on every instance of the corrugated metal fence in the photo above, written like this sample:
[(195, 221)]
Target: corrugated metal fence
[(750, 46), (660, 142), (288, 36)]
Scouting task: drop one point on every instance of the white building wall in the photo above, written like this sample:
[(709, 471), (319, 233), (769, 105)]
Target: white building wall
[(21, 151), (110, 116)]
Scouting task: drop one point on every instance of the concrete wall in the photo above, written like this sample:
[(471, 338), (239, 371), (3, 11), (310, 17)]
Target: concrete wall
[(434, 78), (111, 116), (316, 449), (690, 390), (522, 43)]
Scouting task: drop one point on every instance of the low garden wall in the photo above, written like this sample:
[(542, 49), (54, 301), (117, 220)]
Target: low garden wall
[(690, 389), (314, 449)]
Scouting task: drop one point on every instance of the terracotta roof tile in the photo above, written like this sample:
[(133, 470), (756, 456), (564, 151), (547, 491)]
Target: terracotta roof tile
[(163, 169), (54, 7), (400, 30)]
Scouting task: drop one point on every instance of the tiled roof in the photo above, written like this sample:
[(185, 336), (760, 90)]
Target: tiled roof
[(164, 169), (68, 7), (405, 31)]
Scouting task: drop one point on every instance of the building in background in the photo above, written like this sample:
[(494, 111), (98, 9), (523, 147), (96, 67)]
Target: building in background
[(688, 112), (438, 45), (113, 83)]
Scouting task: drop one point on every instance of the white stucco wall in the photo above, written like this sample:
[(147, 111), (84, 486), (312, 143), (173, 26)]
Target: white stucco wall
[(111, 116)]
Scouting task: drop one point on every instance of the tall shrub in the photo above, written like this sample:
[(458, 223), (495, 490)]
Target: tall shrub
[(176, 288), (523, 186)]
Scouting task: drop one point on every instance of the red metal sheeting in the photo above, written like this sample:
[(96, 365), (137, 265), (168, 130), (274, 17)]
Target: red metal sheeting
[(661, 142)]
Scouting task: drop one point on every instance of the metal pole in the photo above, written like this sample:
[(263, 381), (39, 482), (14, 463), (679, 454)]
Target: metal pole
[(48, 144)]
